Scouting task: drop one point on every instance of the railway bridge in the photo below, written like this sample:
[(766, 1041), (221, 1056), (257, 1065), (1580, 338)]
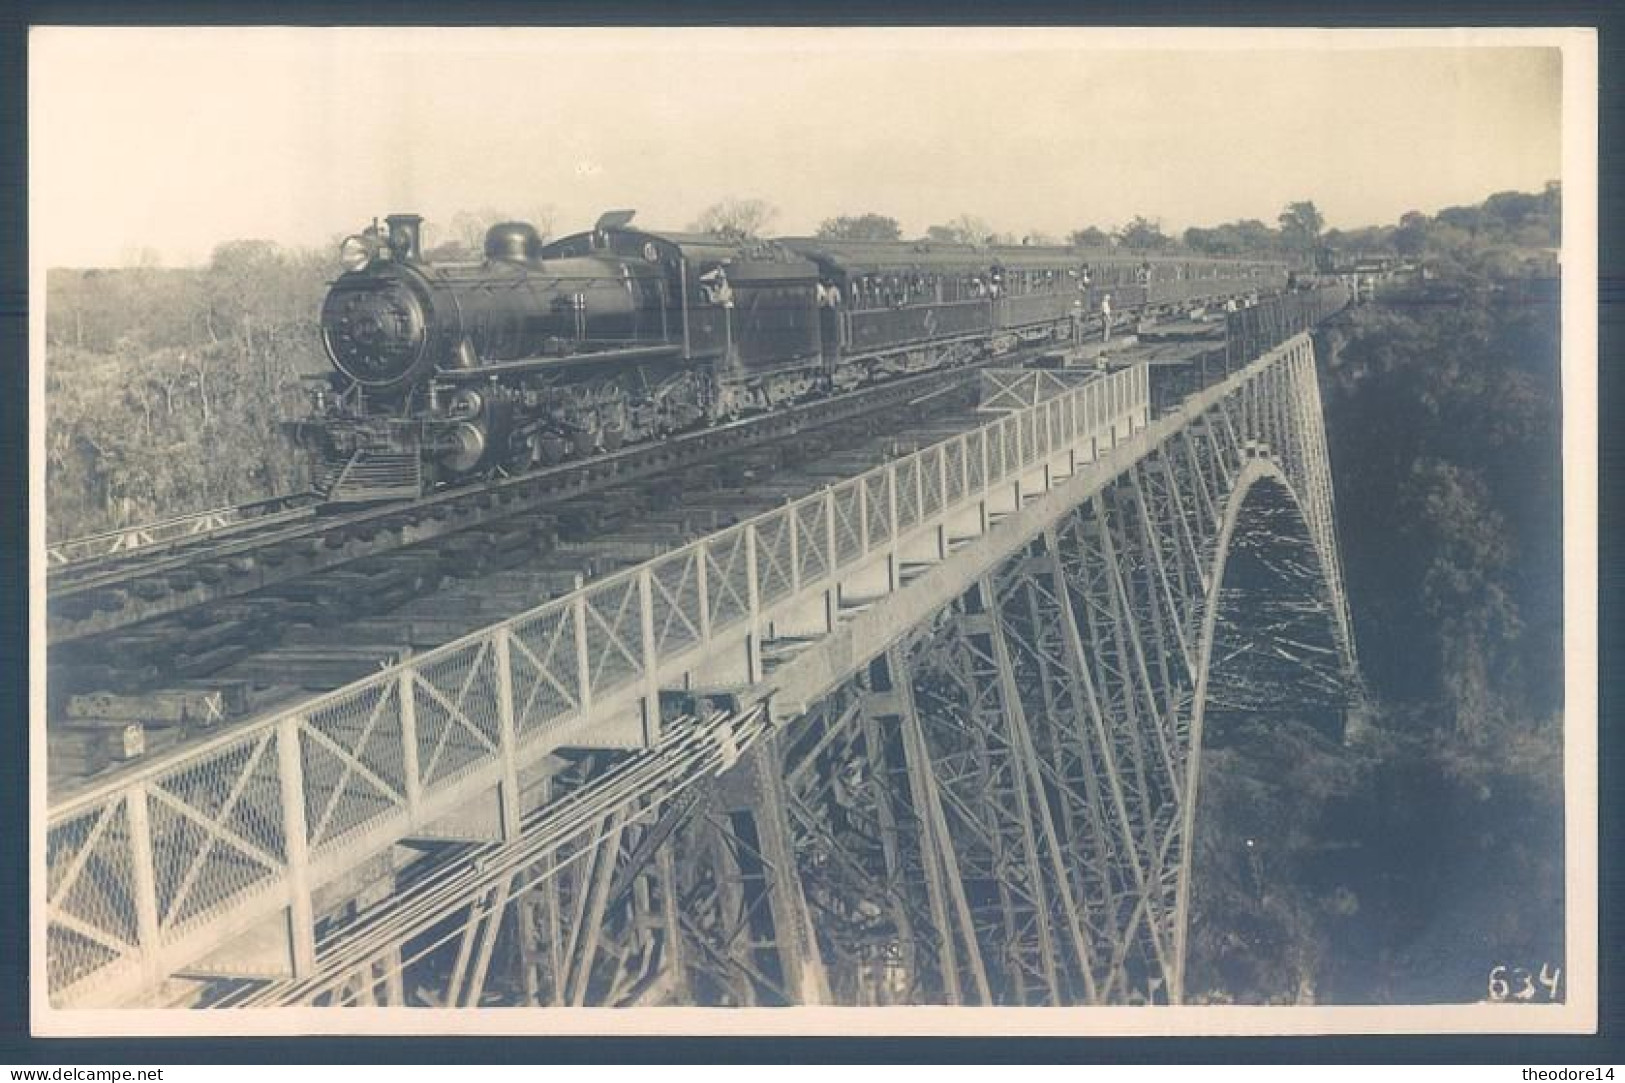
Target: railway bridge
[(932, 734)]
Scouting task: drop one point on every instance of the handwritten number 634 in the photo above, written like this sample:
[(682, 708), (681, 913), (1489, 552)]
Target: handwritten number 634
[(1516, 983)]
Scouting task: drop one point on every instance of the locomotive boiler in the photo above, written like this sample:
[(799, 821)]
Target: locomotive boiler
[(538, 353)]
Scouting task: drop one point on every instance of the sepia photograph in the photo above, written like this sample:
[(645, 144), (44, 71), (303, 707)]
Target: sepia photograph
[(642, 530)]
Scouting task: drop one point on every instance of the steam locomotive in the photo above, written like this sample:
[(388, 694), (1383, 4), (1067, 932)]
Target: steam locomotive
[(543, 352)]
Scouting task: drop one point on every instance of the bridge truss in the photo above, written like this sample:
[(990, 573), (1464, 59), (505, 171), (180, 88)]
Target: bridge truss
[(930, 736)]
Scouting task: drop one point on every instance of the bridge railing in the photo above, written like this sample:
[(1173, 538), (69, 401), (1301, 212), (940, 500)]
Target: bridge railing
[(156, 867), (131, 538), (1253, 331)]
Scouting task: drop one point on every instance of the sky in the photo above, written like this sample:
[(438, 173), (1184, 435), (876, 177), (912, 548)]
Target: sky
[(158, 144)]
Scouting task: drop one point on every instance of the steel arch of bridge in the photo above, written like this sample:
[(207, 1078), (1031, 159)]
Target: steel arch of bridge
[(1056, 712), (999, 807)]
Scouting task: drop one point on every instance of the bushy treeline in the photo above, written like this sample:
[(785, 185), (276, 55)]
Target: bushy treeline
[(1509, 235), (165, 389), (1410, 864)]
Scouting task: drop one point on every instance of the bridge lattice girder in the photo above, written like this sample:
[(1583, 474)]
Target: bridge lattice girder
[(998, 809), (991, 804)]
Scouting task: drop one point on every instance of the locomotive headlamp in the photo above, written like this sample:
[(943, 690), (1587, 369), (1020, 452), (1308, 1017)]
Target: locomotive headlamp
[(356, 252)]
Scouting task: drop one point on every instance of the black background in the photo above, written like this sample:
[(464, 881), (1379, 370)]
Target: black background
[(17, 1047)]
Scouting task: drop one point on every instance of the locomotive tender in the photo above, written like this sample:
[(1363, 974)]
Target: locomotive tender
[(543, 352)]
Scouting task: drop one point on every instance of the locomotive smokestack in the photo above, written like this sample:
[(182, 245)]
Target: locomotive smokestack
[(406, 236)]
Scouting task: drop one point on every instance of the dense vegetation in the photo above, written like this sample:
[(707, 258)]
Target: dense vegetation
[(1409, 865), (165, 389)]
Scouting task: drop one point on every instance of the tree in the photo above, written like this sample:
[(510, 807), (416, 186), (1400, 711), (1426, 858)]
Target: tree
[(1301, 224), (1551, 199), (1412, 236), (736, 219), (861, 227), (1206, 241), (1512, 208), (1464, 218), (1143, 232), (1089, 237), (468, 229), (966, 229), (1253, 237)]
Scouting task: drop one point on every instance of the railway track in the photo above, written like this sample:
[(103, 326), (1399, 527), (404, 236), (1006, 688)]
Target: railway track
[(66, 560), (135, 691), (99, 597)]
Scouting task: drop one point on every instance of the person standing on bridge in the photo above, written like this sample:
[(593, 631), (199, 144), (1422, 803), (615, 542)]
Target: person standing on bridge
[(1106, 318)]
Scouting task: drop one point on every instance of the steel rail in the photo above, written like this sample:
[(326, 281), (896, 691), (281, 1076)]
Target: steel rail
[(65, 557), (501, 499)]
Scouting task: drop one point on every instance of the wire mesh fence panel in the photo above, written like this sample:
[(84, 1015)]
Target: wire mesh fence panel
[(812, 539), (775, 570), (993, 438), (353, 761), (727, 578), (217, 830), (675, 602), (1010, 436), (456, 705), (877, 497), (975, 450), (614, 645), (908, 491), (847, 504), (954, 467), (91, 926), (543, 659), (930, 481)]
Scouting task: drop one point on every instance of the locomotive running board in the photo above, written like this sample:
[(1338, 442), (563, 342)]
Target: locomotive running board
[(563, 361)]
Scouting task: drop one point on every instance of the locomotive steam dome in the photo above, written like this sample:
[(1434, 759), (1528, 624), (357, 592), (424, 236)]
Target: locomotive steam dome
[(513, 241), (376, 332)]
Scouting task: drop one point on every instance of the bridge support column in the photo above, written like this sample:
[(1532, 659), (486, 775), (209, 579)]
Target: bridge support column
[(1006, 845), (747, 935)]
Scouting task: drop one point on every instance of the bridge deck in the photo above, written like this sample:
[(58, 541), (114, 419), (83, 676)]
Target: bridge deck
[(154, 871)]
